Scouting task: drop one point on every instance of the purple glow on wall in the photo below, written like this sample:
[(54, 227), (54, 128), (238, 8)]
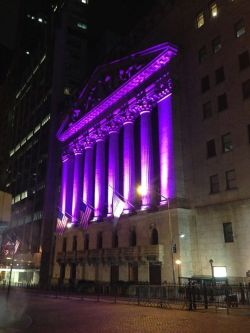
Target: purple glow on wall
[(99, 179), (88, 176), (146, 159), (77, 185), (128, 165), (113, 172), (136, 80), (167, 186), (65, 160), (69, 180)]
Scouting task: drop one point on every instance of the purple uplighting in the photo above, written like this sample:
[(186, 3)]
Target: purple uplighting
[(77, 185)]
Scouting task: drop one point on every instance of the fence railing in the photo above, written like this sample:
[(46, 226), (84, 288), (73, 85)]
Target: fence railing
[(190, 296)]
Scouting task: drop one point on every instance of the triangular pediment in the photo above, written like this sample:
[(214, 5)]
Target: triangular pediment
[(107, 80)]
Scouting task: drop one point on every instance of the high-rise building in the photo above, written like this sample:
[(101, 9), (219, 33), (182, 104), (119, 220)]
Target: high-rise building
[(174, 119)]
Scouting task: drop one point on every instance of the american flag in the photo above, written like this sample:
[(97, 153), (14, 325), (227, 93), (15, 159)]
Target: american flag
[(61, 224), (10, 246), (118, 206), (85, 214)]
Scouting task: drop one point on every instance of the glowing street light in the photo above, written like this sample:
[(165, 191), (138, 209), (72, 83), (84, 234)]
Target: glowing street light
[(178, 263)]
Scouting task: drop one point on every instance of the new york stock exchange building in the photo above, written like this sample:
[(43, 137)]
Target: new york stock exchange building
[(124, 135)]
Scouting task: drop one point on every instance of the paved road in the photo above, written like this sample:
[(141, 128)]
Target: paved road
[(45, 315)]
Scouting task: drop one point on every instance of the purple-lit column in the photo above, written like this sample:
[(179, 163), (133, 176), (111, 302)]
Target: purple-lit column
[(77, 183), (113, 165), (146, 158), (65, 172), (167, 186), (88, 178), (99, 178), (128, 163)]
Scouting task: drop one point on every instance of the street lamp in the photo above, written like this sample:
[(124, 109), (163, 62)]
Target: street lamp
[(212, 269), (178, 263)]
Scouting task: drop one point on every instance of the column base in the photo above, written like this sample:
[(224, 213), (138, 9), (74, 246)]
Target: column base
[(145, 207), (126, 211), (163, 202)]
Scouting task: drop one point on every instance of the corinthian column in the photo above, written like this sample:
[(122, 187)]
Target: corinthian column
[(113, 164), (146, 156), (77, 183), (64, 181), (128, 162), (99, 177), (167, 182), (88, 178)]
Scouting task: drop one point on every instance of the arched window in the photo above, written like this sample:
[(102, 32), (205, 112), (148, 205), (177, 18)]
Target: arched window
[(99, 240), (86, 242), (114, 239), (154, 237), (132, 240)]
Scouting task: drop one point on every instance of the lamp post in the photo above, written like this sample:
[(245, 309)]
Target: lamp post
[(178, 263), (142, 191)]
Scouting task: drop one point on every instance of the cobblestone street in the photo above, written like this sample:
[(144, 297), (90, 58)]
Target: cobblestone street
[(45, 315)]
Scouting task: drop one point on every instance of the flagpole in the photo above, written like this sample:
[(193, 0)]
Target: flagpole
[(122, 197)]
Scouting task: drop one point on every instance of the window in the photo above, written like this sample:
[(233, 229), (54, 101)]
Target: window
[(154, 237), (86, 242), (248, 131), (114, 239), (99, 240), (132, 239), (64, 247), (228, 232), (211, 148), (244, 60), (200, 20), (213, 10), (219, 75), (239, 28), (246, 89), (74, 244), (207, 110), (205, 85), (202, 54), (84, 1), (214, 184), (227, 144), (231, 179), (216, 44), (81, 25), (222, 102)]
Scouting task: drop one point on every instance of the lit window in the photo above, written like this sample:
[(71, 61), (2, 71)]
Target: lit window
[(17, 198), (214, 10), (227, 144), (37, 128), (214, 184), (216, 44), (231, 179), (40, 20), (12, 152), (84, 1), (200, 21), (239, 28), (228, 232), (27, 52), (81, 25)]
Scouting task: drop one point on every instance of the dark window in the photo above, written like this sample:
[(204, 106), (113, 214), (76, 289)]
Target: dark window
[(202, 54), (231, 179), (154, 237), (227, 144), (222, 102), (248, 131), (205, 85), (114, 239), (239, 28), (74, 244), (216, 44), (214, 184), (246, 89), (211, 148), (228, 232), (99, 240), (64, 247), (86, 242), (244, 60), (207, 110), (132, 238), (219, 75)]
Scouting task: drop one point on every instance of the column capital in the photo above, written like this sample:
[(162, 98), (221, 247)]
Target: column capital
[(65, 156), (114, 126), (88, 143), (144, 105), (128, 117), (77, 149), (164, 87), (98, 135)]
